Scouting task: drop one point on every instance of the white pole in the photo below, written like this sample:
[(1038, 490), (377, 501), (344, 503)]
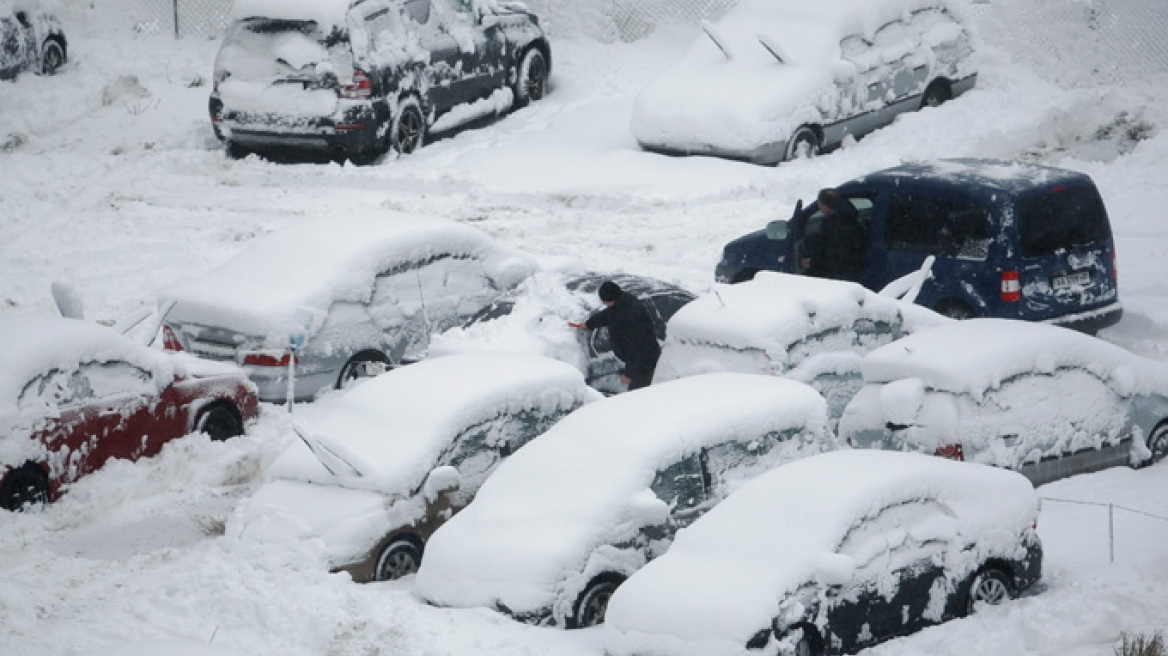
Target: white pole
[(1111, 530)]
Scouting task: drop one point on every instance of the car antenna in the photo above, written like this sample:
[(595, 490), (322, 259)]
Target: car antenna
[(717, 38), (771, 47), (719, 297)]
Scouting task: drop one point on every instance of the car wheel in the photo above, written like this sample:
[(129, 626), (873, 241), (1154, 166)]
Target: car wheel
[(399, 558), (990, 586), (593, 601), (219, 422), (52, 57), (935, 94), (1158, 442), (807, 644), (409, 127), (531, 79), (24, 486), (364, 364), (804, 143), (954, 309)]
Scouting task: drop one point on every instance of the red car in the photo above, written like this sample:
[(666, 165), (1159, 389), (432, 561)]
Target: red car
[(74, 394)]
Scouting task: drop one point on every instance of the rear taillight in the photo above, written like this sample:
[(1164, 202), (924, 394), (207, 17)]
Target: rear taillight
[(269, 360), (361, 88), (1114, 265), (1011, 286), (951, 451), (170, 340)]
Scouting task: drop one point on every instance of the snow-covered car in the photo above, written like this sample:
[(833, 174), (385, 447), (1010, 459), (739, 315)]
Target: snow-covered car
[(399, 454), (810, 329), (832, 554), (354, 297), (1046, 401), (777, 79), (31, 39), (564, 521), (534, 319), (357, 78), (74, 394)]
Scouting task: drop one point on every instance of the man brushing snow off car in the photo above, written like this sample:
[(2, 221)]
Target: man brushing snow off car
[(631, 331)]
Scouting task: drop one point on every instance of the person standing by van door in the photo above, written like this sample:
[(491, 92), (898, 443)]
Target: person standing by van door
[(630, 329), (838, 249)]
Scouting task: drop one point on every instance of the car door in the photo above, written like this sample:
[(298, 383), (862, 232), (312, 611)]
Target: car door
[(397, 313), (456, 45), (904, 67), (682, 485)]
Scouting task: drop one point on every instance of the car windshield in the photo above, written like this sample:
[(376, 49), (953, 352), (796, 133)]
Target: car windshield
[(1064, 218)]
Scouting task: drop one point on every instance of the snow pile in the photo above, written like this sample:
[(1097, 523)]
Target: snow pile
[(564, 508), (719, 584)]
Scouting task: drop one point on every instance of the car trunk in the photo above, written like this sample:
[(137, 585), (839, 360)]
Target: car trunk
[(1067, 253), (289, 68)]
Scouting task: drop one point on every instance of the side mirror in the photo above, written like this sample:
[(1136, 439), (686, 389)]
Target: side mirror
[(647, 510), (777, 230), (443, 480)]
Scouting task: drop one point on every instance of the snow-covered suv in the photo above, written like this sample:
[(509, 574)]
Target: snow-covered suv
[(355, 77)]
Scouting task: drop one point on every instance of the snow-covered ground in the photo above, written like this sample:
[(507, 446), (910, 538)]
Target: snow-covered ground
[(111, 179)]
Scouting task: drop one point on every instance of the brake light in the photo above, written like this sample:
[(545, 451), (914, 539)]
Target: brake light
[(269, 360), (951, 451), (361, 88), (1058, 189), (1114, 265), (170, 340), (1011, 286)]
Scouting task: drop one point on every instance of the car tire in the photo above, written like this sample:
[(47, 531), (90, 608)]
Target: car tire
[(358, 367), (399, 558), (989, 586), (803, 143), (954, 309), (531, 78), (52, 57), (1158, 443), (220, 422), (808, 643), (235, 151), (24, 486), (592, 603), (936, 94), (408, 129)]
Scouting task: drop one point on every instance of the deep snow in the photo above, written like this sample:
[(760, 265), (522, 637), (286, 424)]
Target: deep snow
[(111, 179)]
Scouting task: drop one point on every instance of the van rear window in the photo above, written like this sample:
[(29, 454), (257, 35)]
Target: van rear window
[(936, 226), (1065, 218)]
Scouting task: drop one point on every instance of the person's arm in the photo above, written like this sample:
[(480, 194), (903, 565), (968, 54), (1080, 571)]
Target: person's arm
[(597, 320)]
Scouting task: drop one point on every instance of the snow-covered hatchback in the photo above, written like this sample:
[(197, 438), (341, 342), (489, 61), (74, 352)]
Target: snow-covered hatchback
[(336, 300), (354, 78), (399, 454), (1046, 401), (832, 554), (31, 38), (561, 523), (781, 78)]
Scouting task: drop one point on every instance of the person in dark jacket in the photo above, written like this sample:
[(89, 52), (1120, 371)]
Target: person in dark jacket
[(838, 249), (630, 329)]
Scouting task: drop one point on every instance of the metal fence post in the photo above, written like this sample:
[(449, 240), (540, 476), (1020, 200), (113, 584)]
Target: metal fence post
[(1111, 530), (175, 19)]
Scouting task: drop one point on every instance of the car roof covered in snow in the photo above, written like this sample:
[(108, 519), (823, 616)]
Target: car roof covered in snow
[(560, 497), (975, 355), (725, 576), (777, 310), (393, 428), (981, 178), (310, 266)]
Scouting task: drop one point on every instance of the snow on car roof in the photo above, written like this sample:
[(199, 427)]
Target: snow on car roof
[(325, 13), (562, 495), (776, 310), (313, 265), (36, 344), (982, 176), (394, 427), (976, 355), (724, 577)]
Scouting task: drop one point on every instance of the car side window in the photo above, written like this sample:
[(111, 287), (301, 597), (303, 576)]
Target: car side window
[(860, 52), (55, 389), (941, 227), (384, 29), (900, 537), (730, 464), (418, 10), (682, 485), (109, 380), (476, 450)]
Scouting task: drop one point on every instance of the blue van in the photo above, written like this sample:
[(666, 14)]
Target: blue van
[(1010, 240)]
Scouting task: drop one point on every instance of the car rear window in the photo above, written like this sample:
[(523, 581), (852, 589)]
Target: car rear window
[(1063, 218)]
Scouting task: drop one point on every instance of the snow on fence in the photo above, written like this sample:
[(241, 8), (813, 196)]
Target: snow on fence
[(1111, 508)]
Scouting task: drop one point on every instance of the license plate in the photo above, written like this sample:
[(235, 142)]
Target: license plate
[(1076, 279)]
